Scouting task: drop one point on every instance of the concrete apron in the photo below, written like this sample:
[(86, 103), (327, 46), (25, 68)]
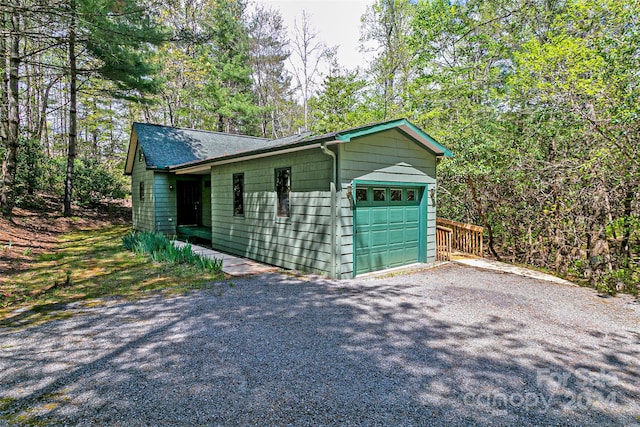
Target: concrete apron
[(489, 264), (238, 266), (232, 265)]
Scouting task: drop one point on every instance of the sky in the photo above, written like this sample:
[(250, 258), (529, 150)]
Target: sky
[(337, 23)]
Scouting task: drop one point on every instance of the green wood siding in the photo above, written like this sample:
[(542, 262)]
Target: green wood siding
[(206, 201), (143, 216), (165, 203), (363, 155), (301, 241)]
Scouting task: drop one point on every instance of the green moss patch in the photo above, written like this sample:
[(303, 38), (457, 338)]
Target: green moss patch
[(91, 264)]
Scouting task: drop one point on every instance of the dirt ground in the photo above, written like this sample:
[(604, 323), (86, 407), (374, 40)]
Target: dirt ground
[(31, 232)]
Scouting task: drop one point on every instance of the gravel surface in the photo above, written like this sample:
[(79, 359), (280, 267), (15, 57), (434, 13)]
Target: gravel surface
[(452, 345)]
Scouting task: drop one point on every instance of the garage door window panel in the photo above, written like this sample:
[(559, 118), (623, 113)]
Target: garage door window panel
[(362, 195), (379, 194)]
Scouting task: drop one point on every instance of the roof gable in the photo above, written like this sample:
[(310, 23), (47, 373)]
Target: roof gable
[(405, 126)]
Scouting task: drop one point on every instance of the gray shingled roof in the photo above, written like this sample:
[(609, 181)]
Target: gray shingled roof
[(165, 146)]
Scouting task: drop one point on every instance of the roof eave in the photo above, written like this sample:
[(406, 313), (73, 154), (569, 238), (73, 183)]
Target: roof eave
[(200, 165), (131, 150)]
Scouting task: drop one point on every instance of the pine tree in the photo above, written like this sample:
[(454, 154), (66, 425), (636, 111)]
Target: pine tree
[(115, 36), (229, 84), (9, 130), (271, 81)]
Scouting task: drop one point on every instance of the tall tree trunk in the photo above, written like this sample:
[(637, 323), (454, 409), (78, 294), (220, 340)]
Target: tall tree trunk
[(4, 84), (625, 245), (7, 195), (95, 147), (305, 100), (599, 253), (41, 134), (485, 222), (28, 94), (71, 155)]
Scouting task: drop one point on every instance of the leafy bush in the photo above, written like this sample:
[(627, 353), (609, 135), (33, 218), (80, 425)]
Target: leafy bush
[(620, 280), (93, 183), (30, 170), (160, 248)]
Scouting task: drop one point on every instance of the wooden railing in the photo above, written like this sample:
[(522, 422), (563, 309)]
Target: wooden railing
[(459, 237), (443, 243)]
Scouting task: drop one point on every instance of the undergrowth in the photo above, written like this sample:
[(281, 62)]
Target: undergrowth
[(92, 264), (161, 249)]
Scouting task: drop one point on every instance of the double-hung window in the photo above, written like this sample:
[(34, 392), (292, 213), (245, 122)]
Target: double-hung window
[(283, 191), (238, 194)]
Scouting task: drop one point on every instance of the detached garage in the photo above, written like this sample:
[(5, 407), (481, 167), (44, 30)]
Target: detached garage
[(340, 204)]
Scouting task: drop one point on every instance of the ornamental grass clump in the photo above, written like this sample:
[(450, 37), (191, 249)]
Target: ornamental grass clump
[(160, 249)]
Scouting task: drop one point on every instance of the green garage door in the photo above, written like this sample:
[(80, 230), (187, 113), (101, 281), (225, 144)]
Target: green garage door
[(387, 224)]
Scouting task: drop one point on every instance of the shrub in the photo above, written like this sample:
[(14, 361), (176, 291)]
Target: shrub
[(160, 249), (29, 169), (93, 183), (620, 280)]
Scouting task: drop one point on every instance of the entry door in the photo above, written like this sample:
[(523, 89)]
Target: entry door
[(387, 227), (188, 195)]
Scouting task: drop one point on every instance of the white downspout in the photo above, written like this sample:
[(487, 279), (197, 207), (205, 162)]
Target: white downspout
[(325, 150)]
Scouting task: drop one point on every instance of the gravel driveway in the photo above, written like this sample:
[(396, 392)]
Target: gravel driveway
[(453, 345)]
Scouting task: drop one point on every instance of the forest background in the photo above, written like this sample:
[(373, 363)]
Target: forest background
[(538, 99)]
